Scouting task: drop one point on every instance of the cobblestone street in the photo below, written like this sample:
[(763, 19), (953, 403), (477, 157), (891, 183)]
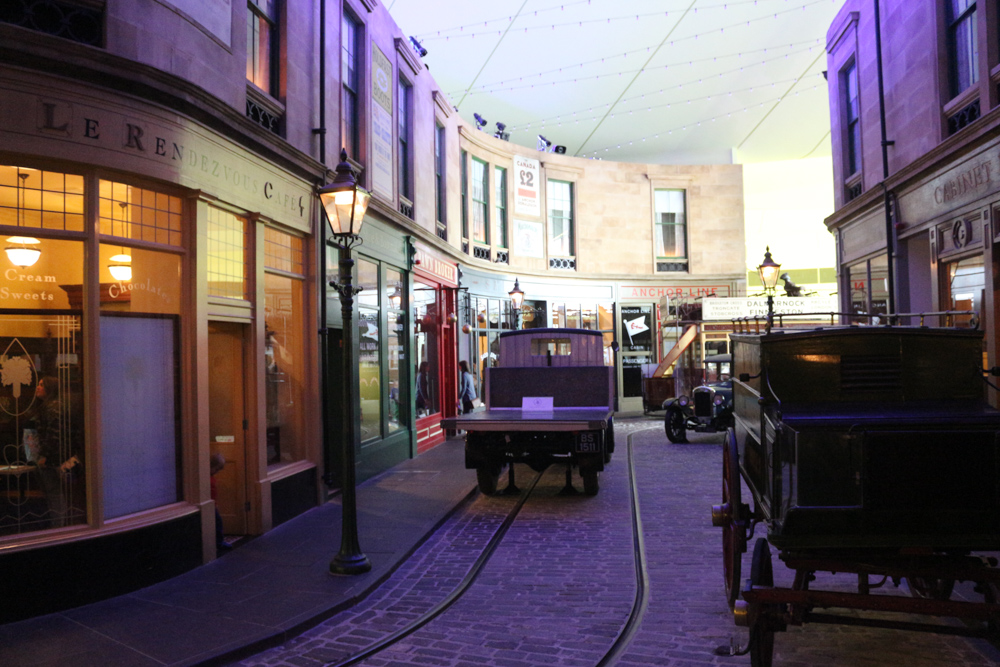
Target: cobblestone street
[(560, 587)]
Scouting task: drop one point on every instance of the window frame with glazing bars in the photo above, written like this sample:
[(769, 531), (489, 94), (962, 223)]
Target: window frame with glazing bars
[(680, 228), (350, 61), (967, 18), (440, 203), (480, 201), (852, 118), (266, 12), (500, 205), (465, 194), (566, 219), (404, 112)]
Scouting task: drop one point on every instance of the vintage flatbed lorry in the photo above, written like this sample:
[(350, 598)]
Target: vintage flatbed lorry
[(550, 400), (867, 450)]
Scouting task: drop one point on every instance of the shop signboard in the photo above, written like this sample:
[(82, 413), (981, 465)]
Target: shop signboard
[(637, 328), (756, 306)]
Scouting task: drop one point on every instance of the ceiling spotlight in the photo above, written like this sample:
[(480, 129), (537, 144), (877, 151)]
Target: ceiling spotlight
[(480, 121), (543, 143), (500, 134), (559, 149), (418, 47)]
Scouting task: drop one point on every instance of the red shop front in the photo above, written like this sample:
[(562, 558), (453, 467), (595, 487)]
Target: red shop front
[(435, 285)]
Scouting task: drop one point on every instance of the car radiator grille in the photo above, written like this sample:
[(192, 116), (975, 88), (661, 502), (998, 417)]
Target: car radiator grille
[(703, 403)]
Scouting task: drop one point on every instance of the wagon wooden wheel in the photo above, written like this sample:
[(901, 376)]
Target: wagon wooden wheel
[(761, 622), (729, 516)]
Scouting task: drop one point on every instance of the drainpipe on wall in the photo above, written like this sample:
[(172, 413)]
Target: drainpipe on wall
[(886, 195), (324, 336)]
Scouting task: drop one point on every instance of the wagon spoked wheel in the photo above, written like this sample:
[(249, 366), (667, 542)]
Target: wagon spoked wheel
[(761, 628), (676, 425), (733, 533), (930, 588)]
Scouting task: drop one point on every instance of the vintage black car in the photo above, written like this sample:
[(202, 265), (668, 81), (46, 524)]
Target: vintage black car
[(709, 409)]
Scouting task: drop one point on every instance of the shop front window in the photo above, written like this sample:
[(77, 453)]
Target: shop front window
[(397, 347), (369, 350), (140, 313), (426, 314), (966, 286), (869, 289), (284, 346), (42, 453), (140, 300)]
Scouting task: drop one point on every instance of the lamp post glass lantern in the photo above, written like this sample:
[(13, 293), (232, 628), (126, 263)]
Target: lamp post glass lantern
[(768, 271), (345, 203), (516, 299)]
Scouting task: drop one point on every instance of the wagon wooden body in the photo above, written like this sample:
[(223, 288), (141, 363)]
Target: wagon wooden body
[(866, 450)]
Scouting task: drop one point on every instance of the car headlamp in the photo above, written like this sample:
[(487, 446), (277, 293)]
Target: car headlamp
[(683, 401), (719, 399)]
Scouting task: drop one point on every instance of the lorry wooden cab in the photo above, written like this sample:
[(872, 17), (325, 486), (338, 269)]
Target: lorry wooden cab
[(550, 399), (867, 450)]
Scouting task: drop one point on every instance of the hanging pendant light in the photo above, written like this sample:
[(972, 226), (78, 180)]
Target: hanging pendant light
[(21, 253), (121, 268)]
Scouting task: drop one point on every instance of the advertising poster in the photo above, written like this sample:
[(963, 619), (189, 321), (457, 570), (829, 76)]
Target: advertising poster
[(527, 200), (382, 171), (637, 329), (528, 238)]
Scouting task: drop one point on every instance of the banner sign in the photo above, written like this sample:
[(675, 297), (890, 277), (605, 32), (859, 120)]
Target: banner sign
[(756, 306), (527, 200)]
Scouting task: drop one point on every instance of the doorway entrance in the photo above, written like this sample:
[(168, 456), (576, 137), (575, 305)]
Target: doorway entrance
[(228, 422)]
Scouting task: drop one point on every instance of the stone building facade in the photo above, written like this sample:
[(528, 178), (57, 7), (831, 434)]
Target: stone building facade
[(916, 229), (165, 295)]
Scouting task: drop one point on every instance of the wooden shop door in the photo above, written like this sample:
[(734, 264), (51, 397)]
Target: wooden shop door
[(227, 421)]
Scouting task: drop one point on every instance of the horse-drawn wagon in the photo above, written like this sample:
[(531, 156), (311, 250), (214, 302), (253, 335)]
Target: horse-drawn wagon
[(867, 450)]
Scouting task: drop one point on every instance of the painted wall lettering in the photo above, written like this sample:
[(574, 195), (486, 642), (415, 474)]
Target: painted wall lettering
[(966, 181)]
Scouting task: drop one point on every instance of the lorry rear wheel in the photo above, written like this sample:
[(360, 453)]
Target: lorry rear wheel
[(590, 483), (488, 476)]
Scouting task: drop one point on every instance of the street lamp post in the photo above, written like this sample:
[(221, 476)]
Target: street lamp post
[(345, 203), (768, 271), (516, 299)]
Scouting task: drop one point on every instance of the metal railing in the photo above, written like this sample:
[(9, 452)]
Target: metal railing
[(949, 319)]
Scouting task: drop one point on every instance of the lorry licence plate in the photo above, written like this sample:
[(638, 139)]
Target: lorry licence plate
[(589, 442)]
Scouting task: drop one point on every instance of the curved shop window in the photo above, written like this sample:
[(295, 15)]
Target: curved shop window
[(42, 448), (42, 452), (140, 286), (381, 349), (284, 345)]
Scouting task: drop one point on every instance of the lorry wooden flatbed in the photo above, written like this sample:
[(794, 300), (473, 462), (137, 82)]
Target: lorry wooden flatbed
[(551, 400)]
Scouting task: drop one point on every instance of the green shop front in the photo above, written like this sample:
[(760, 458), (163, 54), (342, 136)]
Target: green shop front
[(383, 409)]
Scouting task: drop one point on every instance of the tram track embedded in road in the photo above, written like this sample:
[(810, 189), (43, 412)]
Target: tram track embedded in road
[(629, 628), (453, 597)]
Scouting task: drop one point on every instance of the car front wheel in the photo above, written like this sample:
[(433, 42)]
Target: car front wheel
[(676, 425)]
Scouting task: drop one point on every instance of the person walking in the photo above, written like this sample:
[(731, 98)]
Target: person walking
[(466, 387)]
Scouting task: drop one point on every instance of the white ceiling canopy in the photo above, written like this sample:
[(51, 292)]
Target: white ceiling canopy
[(652, 81)]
